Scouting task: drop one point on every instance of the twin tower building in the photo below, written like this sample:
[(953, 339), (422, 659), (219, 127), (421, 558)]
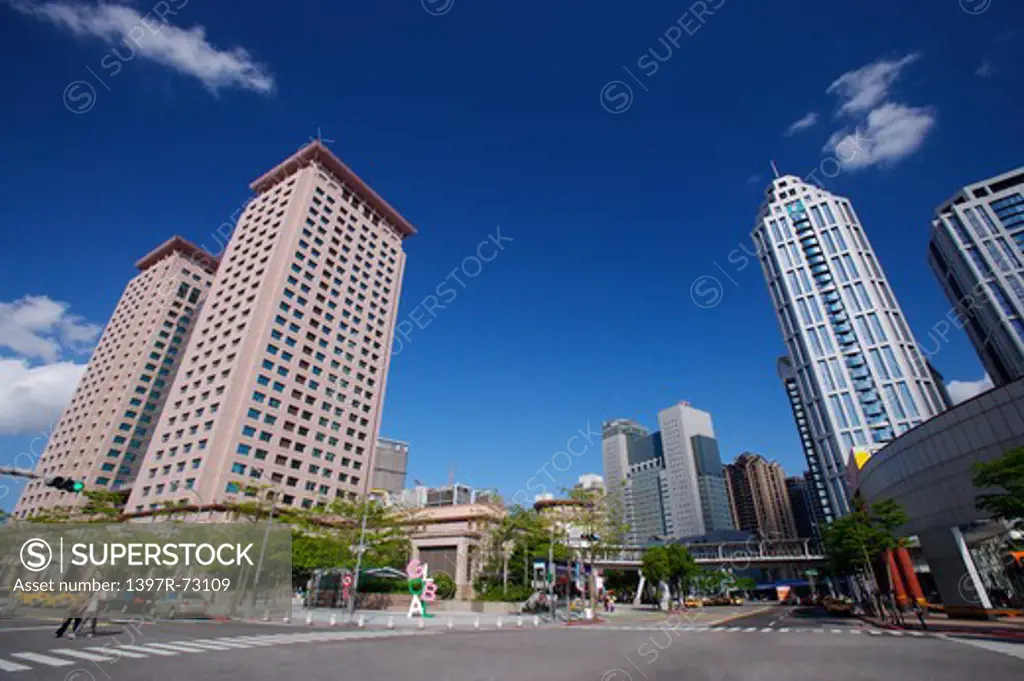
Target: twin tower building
[(855, 376), (260, 367)]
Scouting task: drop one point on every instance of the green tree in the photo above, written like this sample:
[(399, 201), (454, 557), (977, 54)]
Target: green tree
[(1006, 472), (656, 566), (682, 568)]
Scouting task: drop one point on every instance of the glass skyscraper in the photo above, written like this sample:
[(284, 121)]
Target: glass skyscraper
[(976, 252), (859, 372)]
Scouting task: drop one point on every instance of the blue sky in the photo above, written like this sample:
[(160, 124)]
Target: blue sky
[(467, 116)]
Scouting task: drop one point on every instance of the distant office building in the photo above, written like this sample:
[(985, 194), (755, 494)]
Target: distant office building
[(758, 497), (103, 434), (818, 482), (859, 372), (283, 380), (940, 385), (444, 495), (671, 479), (975, 251), (590, 481), (390, 465), (799, 490)]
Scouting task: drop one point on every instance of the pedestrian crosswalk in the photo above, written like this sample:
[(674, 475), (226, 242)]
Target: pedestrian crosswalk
[(140, 648), (759, 630)]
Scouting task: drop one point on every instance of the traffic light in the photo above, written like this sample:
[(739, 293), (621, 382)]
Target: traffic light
[(66, 484)]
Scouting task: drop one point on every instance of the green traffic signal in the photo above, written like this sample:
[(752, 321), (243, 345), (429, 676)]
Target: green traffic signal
[(66, 484)]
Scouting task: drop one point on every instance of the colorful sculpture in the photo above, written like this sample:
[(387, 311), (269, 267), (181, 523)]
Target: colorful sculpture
[(422, 588)]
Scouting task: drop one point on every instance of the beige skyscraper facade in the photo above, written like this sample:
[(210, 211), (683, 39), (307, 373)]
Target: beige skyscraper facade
[(282, 384), (104, 432)]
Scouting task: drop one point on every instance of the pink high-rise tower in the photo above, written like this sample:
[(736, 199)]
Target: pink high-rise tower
[(104, 432), (282, 383)]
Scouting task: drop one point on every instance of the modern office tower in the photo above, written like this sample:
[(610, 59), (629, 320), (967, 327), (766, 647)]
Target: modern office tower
[(671, 480), (975, 250), (283, 380), (389, 466), (940, 385), (684, 430), (758, 497), (859, 372), (616, 437), (801, 501), (105, 430), (714, 497), (819, 483)]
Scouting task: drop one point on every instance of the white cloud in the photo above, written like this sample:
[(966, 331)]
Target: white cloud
[(37, 327), (985, 70), (889, 134), (802, 124), (960, 391), (32, 398), (861, 90), (150, 37)]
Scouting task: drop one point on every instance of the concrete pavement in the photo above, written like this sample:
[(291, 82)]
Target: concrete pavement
[(746, 648)]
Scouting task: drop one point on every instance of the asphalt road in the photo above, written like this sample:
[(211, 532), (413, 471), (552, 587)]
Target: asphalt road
[(739, 650)]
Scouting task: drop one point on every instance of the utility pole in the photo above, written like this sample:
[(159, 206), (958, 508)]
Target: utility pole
[(552, 572), (263, 546), (359, 560)]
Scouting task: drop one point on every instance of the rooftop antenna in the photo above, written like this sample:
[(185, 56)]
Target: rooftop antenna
[(774, 169), (320, 137)]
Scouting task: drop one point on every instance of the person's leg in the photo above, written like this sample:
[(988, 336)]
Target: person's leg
[(74, 627), (63, 627)]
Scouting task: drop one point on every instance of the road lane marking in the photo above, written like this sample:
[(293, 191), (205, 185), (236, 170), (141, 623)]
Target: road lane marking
[(43, 659), (117, 652), (767, 629), (784, 630), (144, 649), (1012, 649), (837, 631), (81, 655), (205, 645), (177, 648), (6, 666)]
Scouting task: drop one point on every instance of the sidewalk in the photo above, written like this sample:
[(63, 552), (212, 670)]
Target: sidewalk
[(1003, 628), (384, 619)]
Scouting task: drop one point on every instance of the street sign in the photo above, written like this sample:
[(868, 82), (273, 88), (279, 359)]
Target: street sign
[(811, 572)]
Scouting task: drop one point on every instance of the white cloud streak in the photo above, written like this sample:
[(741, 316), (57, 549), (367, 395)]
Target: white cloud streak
[(864, 88), (150, 37), (37, 327), (802, 124), (960, 391), (32, 398), (889, 134)]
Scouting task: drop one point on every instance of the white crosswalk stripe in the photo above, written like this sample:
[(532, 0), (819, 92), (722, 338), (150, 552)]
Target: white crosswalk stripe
[(82, 655), (6, 666), (117, 652), (176, 648), (149, 651), (43, 659)]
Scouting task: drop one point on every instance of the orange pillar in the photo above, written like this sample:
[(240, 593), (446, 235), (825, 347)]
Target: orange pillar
[(895, 580), (909, 576)]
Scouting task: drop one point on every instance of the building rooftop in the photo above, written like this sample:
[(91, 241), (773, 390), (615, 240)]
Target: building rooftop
[(176, 244), (317, 152)]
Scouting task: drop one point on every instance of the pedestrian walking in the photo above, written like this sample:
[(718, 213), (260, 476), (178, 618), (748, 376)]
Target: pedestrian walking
[(920, 611), (73, 616), (91, 615)]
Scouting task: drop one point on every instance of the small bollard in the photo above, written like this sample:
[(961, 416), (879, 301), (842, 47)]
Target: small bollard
[(536, 621), (266, 615), (422, 624), (391, 623), (287, 619), (361, 622), (309, 618), (334, 619), (519, 621), (450, 624), (499, 622), (476, 623)]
